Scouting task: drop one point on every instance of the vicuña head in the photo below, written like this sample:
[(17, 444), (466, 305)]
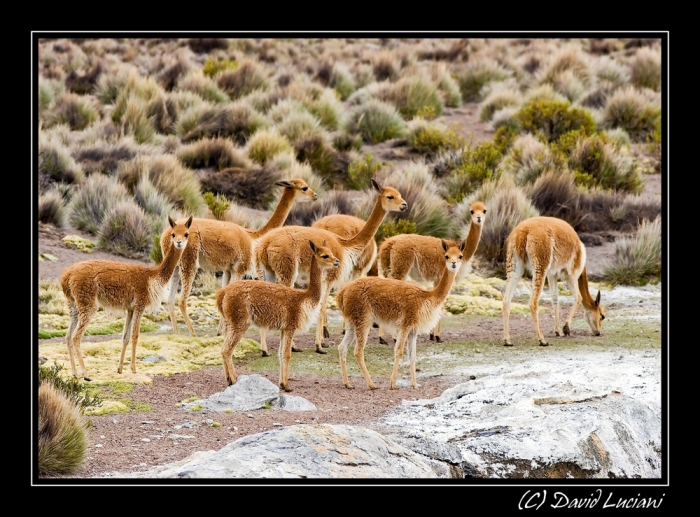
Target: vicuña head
[(273, 306), (400, 306), (224, 246), (550, 248), (133, 288), (282, 254)]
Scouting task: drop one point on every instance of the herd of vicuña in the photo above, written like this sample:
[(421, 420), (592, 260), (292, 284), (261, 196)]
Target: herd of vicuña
[(399, 285)]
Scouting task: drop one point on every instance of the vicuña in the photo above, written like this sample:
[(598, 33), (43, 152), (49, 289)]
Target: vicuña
[(549, 248), (133, 288), (399, 306), (418, 257), (273, 306), (224, 246), (282, 254)]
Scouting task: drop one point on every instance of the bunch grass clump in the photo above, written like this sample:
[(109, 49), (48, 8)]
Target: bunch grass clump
[(218, 153), (247, 77), (645, 68), (52, 209), (125, 231), (415, 95), (528, 157), (501, 95), (628, 108), (265, 144), (89, 204), (478, 73), (178, 183), (56, 165), (637, 260), (202, 85), (376, 121), (362, 170), (237, 121)]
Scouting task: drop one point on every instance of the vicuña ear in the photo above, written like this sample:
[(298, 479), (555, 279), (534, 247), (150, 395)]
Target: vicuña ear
[(376, 185), (189, 222), (597, 299), (172, 223), (313, 246), (284, 183), (463, 245), (444, 244)]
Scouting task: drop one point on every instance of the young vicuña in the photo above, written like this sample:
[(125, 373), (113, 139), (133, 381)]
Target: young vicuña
[(273, 306), (133, 288), (418, 257), (282, 254), (400, 306), (224, 246), (549, 247)]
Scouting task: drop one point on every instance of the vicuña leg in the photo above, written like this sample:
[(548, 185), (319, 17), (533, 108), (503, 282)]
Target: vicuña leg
[(187, 277), (537, 283), (412, 354), (573, 287), (514, 273), (361, 333), (398, 353), (174, 283), (285, 354), (348, 339), (552, 280), (233, 336), (84, 316), (135, 329)]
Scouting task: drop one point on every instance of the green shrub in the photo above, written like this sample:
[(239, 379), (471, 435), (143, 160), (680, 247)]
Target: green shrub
[(361, 172), (343, 141), (213, 67), (75, 389), (476, 165), (629, 109), (390, 228), (376, 121), (125, 230), (637, 260), (218, 204), (430, 137), (551, 119), (342, 81), (97, 195), (63, 441), (595, 161)]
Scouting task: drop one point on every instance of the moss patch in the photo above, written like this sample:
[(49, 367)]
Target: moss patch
[(79, 243)]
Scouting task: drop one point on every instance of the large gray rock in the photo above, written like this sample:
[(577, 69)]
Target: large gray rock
[(302, 451)]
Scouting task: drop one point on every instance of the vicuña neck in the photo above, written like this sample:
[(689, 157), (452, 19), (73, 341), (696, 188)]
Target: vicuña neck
[(279, 216), (442, 289), (472, 241), (165, 269), (313, 291), (586, 298), (369, 229)]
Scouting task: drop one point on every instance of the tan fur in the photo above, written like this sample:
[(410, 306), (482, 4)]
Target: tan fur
[(397, 305), (347, 226), (419, 257), (133, 288), (273, 306), (224, 246), (549, 247), (282, 254)]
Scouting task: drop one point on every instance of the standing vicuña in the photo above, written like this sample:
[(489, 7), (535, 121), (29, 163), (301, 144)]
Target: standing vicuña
[(133, 288), (282, 254), (273, 306), (399, 306), (347, 226), (223, 246), (418, 257), (549, 247)]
